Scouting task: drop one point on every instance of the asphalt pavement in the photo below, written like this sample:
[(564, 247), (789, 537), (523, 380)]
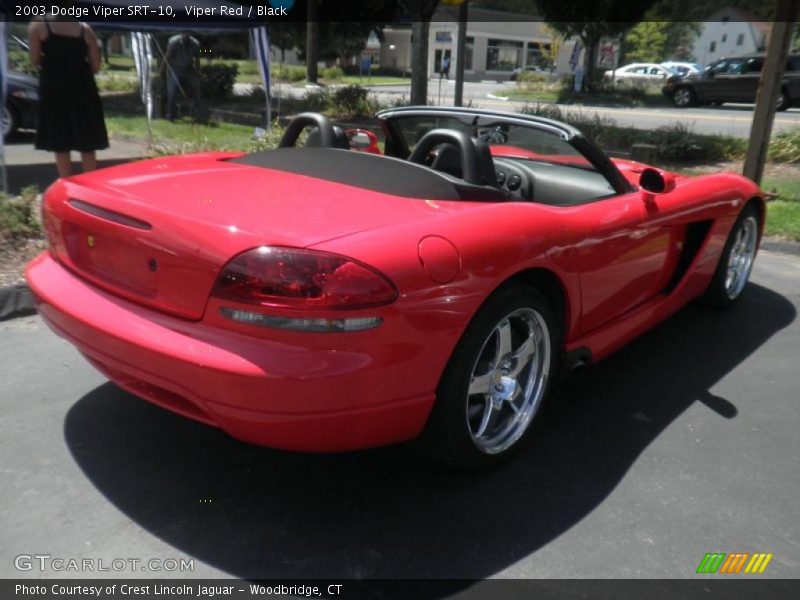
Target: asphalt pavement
[(25, 165), (729, 119), (684, 442)]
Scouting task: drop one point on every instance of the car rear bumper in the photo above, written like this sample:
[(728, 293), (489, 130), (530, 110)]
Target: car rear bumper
[(256, 390)]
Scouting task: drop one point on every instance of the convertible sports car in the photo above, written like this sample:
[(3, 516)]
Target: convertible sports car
[(325, 298)]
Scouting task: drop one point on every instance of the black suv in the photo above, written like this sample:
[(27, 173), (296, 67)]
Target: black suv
[(732, 80)]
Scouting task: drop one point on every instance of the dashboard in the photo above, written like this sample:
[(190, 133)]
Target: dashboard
[(548, 183)]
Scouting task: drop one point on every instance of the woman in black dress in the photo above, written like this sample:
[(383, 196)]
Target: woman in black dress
[(70, 111)]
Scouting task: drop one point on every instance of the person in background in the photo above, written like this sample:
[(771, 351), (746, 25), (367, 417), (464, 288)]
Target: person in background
[(183, 67), (70, 110), (445, 72)]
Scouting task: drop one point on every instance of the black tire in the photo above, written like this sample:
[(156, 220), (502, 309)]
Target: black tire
[(784, 102), (684, 97), (10, 120), (721, 292), (448, 435)]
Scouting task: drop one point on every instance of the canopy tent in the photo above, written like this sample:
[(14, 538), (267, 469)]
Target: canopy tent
[(162, 16)]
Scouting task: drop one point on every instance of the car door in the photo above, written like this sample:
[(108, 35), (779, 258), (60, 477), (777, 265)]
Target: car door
[(622, 254), (728, 81), (745, 85)]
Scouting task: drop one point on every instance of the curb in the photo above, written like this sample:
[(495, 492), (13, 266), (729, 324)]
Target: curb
[(16, 301), (782, 246), (495, 97)]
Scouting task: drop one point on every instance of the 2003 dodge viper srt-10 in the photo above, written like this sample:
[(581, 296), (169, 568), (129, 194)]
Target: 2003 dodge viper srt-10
[(337, 293)]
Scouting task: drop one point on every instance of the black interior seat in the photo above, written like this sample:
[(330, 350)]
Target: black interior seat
[(339, 139)]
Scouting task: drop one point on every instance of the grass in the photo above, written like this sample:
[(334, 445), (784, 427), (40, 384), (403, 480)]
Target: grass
[(783, 214), (783, 219), (182, 135), (374, 80), (606, 95), (675, 143)]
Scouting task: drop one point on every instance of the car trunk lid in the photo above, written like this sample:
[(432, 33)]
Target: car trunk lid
[(159, 232)]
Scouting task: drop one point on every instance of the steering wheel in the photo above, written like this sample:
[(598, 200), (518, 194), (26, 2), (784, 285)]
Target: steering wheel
[(469, 153), (327, 135)]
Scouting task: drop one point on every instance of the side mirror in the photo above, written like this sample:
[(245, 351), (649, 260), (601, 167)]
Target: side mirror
[(359, 140), (656, 181), (362, 140)]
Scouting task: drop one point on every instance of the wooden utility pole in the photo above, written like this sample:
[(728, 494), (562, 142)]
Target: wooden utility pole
[(769, 87), (312, 40), (461, 48)]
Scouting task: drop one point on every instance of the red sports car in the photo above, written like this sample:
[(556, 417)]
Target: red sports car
[(322, 299)]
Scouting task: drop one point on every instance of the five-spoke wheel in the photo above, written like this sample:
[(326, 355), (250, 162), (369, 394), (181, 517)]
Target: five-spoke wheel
[(496, 380), (736, 261), (508, 380)]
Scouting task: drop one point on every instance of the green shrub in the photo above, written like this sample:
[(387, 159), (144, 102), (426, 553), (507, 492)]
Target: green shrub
[(216, 80), (288, 73), (526, 77), (675, 143), (332, 73), (18, 215), (353, 101), (785, 146), (19, 62), (270, 140), (318, 100), (111, 82)]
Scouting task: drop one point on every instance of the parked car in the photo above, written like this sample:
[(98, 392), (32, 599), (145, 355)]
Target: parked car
[(535, 69), (732, 80), (639, 73), (319, 299), (22, 103), (683, 69)]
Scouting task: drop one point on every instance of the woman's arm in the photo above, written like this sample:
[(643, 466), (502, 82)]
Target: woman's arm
[(35, 43), (94, 50)]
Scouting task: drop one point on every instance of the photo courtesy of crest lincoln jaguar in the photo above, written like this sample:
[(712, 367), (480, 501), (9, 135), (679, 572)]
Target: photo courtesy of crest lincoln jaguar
[(341, 292)]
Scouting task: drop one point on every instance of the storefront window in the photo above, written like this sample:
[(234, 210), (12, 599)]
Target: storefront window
[(468, 52), (503, 55)]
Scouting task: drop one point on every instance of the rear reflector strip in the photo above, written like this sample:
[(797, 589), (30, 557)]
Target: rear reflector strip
[(109, 215), (299, 324)]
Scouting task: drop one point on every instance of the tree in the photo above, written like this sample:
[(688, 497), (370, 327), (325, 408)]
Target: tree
[(592, 22), (421, 12), (338, 29), (647, 42)]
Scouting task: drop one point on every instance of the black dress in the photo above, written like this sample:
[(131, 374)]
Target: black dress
[(70, 111)]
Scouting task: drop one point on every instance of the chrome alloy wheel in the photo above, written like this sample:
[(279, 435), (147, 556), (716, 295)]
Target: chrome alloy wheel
[(508, 380), (740, 258)]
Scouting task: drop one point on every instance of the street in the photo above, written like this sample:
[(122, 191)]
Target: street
[(685, 442), (729, 119)]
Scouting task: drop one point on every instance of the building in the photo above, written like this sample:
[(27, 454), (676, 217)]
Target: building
[(730, 32), (494, 48)]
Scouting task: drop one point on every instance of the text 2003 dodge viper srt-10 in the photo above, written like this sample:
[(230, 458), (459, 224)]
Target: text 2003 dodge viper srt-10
[(338, 295)]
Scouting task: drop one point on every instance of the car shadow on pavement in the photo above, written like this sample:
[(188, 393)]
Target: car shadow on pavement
[(389, 513)]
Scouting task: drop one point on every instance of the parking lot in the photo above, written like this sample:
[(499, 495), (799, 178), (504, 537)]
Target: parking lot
[(683, 443)]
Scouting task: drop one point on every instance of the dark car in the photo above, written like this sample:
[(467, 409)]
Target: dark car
[(732, 80), (22, 102)]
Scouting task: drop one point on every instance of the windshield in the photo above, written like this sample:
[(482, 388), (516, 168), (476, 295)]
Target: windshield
[(505, 139)]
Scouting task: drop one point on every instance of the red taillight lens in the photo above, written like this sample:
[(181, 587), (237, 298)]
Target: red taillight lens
[(294, 278)]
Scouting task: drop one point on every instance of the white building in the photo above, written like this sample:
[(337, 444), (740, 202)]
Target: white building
[(730, 32), (493, 48)]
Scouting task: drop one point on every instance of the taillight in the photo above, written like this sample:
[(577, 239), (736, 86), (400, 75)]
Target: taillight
[(302, 279)]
